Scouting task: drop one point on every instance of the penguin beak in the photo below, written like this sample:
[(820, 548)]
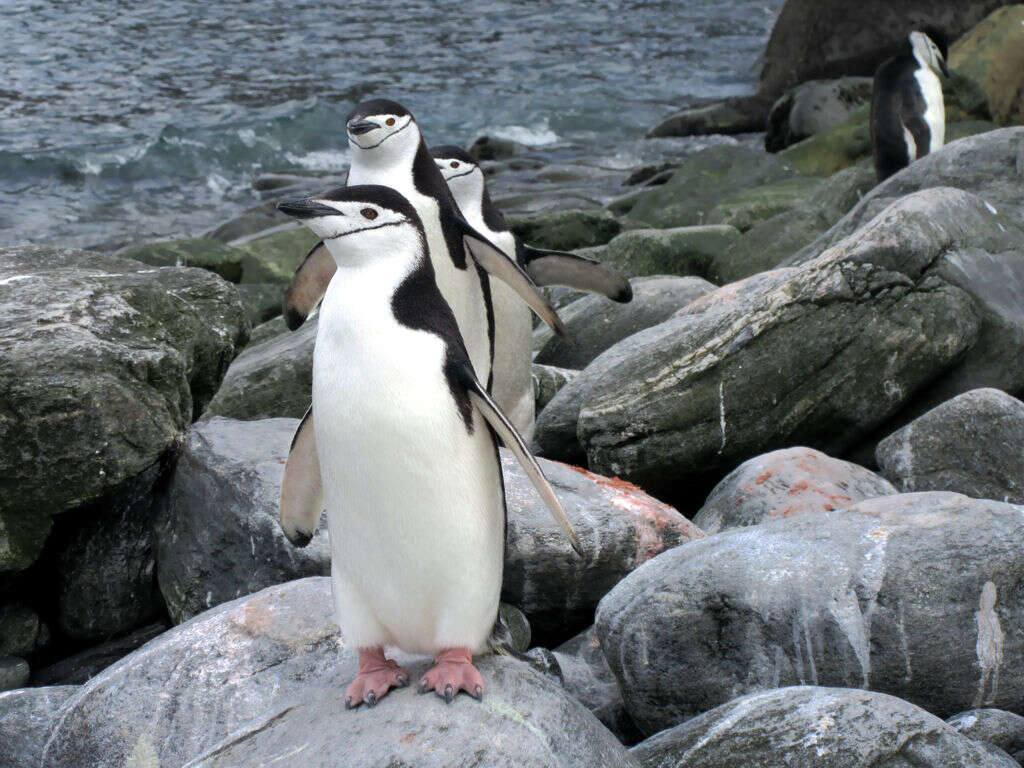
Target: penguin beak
[(357, 127), (306, 208)]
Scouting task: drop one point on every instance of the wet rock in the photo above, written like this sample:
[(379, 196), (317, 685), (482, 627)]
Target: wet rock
[(813, 39), (619, 525), (846, 598), (554, 432), (595, 322), (19, 630), (256, 219), (741, 114), (565, 230), (79, 668), (786, 483), (547, 380), (272, 378), (650, 175), (970, 444), (273, 258), (814, 107), (679, 251), (26, 716), (807, 727), (493, 148), (14, 673), (992, 53), (217, 533), (746, 208), (200, 252), (105, 362), (262, 301), (250, 677), (997, 727)]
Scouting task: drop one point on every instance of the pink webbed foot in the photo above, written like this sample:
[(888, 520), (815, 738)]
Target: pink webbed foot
[(453, 671), (377, 675)]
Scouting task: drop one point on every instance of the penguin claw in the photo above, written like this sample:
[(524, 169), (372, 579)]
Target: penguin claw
[(453, 671), (348, 703), (449, 694), (424, 686), (371, 699), (377, 675), (478, 693)]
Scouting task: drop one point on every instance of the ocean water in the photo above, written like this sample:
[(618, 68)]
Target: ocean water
[(126, 120)]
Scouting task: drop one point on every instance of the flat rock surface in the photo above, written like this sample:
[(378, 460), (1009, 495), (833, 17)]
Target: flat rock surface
[(26, 716)]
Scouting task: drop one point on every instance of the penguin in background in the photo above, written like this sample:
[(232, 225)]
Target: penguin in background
[(403, 453), (908, 114), (387, 149), (513, 325)]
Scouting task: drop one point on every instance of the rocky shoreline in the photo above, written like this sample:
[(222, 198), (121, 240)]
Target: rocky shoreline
[(795, 461)]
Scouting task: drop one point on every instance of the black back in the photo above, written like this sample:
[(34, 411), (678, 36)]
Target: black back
[(897, 101)]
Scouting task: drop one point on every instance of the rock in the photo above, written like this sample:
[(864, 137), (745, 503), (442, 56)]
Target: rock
[(256, 219), (620, 527), (268, 330), (200, 252), (808, 727), (679, 251), (14, 673), (19, 630), (595, 323), (740, 114), (106, 574), (273, 258), (272, 378), (785, 483), (262, 301), (650, 175), (992, 53), (746, 208), (814, 107), (813, 39), (970, 444), (703, 181), (493, 148), (565, 230), (992, 726), (819, 356), (27, 716), (846, 598), (547, 380), (554, 432), (79, 668), (105, 361), (217, 533), (774, 240), (587, 677), (518, 626), (249, 677)]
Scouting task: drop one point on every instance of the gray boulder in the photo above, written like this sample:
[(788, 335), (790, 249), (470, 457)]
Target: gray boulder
[(105, 362), (740, 114), (595, 323), (846, 598), (272, 378), (19, 630), (14, 673), (217, 531), (972, 444), (785, 483), (262, 301), (262, 679), (77, 669), (619, 526), (675, 251), (813, 107), (997, 727), (547, 380), (201, 252), (26, 716), (811, 727), (565, 230)]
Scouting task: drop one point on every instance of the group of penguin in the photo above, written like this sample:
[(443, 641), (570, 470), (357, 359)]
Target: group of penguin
[(421, 366)]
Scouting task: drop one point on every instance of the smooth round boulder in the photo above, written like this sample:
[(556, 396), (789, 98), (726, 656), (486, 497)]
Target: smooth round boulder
[(997, 727), (565, 230), (812, 727), (813, 107), (785, 483), (26, 717), (993, 54)]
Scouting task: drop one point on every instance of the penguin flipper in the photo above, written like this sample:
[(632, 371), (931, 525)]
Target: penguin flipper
[(498, 263), (308, 285), (479, 397), (561, 268), (302, 491)]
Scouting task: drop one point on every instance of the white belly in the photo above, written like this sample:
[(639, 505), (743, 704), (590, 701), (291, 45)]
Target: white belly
[(414, 502), (935, 113)]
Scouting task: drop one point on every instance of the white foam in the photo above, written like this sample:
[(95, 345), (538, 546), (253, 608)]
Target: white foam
[(321, 160), (15, 278), (218, 184), (531, 137)]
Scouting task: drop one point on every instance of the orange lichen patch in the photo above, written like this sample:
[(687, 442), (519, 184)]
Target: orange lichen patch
[(792, 509), (408, 738), (797, 487), (760, 480)]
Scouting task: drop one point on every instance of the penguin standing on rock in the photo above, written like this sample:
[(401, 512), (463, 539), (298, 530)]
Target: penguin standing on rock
[(402, 454), (908, 115), (513, 326)]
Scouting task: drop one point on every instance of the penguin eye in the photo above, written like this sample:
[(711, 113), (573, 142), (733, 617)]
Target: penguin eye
[(455, 163), (369, 213), (389, 121)]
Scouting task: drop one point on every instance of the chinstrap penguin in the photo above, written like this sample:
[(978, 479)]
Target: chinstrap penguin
[(402, 453), (387, 148), (513, 325), (908, 114)]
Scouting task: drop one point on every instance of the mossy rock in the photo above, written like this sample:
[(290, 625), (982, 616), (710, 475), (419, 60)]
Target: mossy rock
[(565, 230), (992, 53), (678, 251), (262, 301), (749, 207), (275, 257), (189, 252)]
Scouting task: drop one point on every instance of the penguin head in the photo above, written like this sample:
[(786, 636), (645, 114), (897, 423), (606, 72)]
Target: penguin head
[(384, 129), (928, 53), (465, 178), (366, 219)]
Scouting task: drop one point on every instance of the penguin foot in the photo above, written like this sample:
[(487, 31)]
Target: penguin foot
[(453, 671), (377, 675)]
